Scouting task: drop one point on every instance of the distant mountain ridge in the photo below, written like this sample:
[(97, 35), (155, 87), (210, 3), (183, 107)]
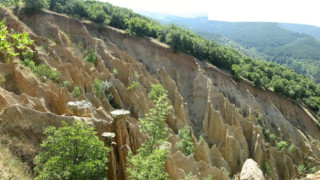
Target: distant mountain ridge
[(301, 28)]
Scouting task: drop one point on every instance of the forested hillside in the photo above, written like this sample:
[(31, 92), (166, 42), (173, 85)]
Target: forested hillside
[(271, 41)]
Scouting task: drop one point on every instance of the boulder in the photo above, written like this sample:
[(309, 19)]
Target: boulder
[(251, 171), (79, 108), (313, 176), (120, 114)]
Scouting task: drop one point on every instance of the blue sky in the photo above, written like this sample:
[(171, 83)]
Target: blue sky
[(289, 11)]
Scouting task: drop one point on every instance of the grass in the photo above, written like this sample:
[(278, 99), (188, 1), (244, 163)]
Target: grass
[(11, 167)]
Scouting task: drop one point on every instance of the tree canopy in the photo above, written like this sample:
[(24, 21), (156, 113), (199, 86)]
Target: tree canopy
[(71, 152), (149, 161)]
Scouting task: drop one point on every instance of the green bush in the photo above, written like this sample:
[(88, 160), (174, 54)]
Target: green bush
[(66, 84), (301, 168), (91, 57), (28, 54), (266, 169), (102, 87), (45, 70), (133, 85), (282, 144), (272, 137), (71, 152), (97, 87), (42, 70), (313, 170), (76, 93), (291, 148), (115, 71), (185, 144), (157, 90)]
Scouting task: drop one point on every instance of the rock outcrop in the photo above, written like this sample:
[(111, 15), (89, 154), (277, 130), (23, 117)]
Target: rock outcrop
[(231, 121)]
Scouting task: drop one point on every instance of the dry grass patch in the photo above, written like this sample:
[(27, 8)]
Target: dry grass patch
[(11, 166)]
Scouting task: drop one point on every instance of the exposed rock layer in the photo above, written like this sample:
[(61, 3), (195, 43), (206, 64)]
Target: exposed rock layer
[(231, 117)]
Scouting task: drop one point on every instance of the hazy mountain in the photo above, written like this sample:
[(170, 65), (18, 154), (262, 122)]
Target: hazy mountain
[(300, 28)]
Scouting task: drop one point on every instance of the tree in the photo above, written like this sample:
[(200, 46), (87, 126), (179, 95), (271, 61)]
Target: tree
[(185, 145), (149, 161), (138, 26), (145, 167), (71, 152), (173, 38), (35, 5)]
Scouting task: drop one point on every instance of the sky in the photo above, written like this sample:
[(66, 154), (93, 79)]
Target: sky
[(286, 11)]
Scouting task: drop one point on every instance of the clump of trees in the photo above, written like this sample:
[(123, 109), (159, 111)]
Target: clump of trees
[(148, 162), (71, 152), (33, 6)]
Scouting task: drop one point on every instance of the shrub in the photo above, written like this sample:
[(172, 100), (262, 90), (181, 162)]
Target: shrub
[(185, 145), (115, 71), (76, 92), (28, 54), (156, 91), (301, 169), (71, 152), (91, 57), (66, 84), (266, 169), (41, 70), (282, 144), (313, 170), (133, 85), (97, 87), (291, 148), (100, 87), (272, 137), (45, 70)]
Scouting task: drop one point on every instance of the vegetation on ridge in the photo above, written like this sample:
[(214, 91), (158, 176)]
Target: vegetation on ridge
[(269, 75)]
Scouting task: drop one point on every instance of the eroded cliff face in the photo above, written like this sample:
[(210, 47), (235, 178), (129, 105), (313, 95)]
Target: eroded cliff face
[(232, 117)]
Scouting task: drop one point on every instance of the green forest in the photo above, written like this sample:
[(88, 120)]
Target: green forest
[(269, 75), (298, 49)]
